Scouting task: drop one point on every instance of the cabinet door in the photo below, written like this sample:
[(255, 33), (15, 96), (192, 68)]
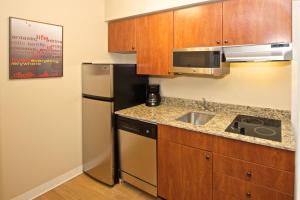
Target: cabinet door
[(198, 26), (169, 185), (196, 174), (257, 21), (174, 174), (121, 36), (162, 165), (154, 37), (183, 172)]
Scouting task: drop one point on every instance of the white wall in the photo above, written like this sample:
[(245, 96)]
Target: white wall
[(115, 9), (40, 119), (253, 84)]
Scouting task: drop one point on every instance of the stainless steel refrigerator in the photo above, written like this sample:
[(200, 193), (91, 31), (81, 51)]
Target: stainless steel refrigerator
[(106, 88)]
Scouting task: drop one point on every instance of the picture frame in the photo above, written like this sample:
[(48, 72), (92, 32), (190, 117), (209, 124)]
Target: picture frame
[(35, 49)]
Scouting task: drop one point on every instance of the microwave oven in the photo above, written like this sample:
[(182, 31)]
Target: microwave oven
[(200, 60)]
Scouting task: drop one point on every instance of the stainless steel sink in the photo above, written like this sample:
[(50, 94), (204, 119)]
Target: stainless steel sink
[(196, 118)]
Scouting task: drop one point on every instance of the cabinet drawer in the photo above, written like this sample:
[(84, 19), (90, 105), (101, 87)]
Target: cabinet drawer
[(219, 195), (271, 157), (282, 181), (185, 137), (234, 189)]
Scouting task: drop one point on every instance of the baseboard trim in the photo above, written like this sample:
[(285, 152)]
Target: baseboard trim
[(45, 187)]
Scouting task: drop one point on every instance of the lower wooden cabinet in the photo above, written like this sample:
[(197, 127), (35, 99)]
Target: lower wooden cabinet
[(162, 164), (279, 180), (233, 188), (184, 172), (254, 153), (190, 169), (196, 173), (219, 195)]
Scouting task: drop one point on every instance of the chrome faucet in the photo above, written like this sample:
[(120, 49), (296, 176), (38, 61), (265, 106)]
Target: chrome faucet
[(205, 105)]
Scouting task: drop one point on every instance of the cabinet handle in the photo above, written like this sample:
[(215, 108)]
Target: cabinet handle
[(249, 174), (132, 48), (248, 195), (207, 156), (218, 42), (226, 41)]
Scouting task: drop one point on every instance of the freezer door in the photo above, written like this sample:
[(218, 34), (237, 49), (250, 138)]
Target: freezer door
[(97, 139), (97, 80)]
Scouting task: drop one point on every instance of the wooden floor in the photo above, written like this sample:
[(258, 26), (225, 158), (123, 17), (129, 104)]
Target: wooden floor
[(83, 187)]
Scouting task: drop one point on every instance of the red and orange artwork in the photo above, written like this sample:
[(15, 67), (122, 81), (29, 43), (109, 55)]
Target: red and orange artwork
[(35, 49)]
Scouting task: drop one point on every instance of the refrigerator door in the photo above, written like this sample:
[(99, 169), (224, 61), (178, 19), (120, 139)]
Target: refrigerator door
[(97, 80), (98, 140)]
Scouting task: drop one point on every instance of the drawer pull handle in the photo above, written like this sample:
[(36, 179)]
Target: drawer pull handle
[(207, 156), (249, 174), (248, 194)]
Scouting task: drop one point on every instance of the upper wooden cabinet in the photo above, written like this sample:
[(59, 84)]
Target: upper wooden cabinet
[(121, 36), (228, 22), (198, 26), (154, 43), (257, 22)]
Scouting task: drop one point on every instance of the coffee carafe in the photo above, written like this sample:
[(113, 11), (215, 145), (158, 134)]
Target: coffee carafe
[(153, 95)]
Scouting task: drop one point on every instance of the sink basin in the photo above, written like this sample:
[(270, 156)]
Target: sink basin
[(196, 118)]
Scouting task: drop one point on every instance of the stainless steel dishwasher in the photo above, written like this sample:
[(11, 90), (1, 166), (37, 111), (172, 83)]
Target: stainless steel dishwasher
[(138, 157)]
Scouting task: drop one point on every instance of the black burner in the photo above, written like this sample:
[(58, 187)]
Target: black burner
[(252, 120), (265, 131), (269, 129)]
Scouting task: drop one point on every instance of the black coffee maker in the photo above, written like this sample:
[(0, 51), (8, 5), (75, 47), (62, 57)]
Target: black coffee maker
[(153, 96)]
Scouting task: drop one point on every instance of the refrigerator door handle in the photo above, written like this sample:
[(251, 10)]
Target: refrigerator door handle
[(88, 96)]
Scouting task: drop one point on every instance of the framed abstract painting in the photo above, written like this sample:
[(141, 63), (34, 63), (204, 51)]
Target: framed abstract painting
[(35, 49)]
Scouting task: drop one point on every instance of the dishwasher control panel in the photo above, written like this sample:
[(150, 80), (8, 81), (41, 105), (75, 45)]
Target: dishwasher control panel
[(138, 127)]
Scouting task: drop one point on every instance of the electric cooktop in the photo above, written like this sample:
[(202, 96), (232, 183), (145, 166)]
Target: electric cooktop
[(259, 127)]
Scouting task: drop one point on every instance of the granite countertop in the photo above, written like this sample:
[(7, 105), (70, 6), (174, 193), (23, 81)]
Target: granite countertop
[(172, 108)]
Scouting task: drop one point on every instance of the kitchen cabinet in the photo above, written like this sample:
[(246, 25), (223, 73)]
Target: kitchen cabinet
[(154, 43), (196, 168), (184, 172), (193, 165), (257, 22), (230, 22), (163, 162), (257, 174), (121, 36), (258, 154), (234, 189), (198, 26), (260, 172)]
